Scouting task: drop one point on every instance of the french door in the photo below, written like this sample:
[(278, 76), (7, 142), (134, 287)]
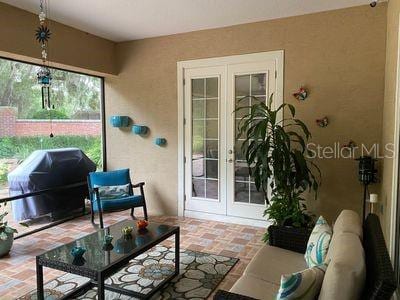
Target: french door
[(217, 179)]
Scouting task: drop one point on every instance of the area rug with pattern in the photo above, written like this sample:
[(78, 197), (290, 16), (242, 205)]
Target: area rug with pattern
[(200, 274)]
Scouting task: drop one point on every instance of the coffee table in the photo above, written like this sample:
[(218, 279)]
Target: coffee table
[(99, 263)]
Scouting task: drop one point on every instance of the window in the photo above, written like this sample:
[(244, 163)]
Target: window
[(75, 121)]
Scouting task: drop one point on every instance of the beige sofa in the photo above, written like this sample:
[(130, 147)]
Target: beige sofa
[(345, 276)]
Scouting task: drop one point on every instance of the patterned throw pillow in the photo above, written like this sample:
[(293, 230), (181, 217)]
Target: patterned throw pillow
[(109, 192), (304, 285), (318, 243)]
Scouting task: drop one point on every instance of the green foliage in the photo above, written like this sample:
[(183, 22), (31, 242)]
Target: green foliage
[(95, 153), (275, 148), (4, 228), (70, 92), (44, 114), (3, 173), (22, 147)]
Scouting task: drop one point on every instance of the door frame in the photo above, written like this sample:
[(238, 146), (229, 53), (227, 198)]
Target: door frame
[(278, 56)]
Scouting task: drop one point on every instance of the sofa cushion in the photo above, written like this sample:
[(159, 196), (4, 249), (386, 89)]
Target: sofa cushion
[(348, 221), (304, 285), (318, 243), (255, 288), (271, 262), (345, 275)]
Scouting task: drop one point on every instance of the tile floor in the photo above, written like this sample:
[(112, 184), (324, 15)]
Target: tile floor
[(17, 270)]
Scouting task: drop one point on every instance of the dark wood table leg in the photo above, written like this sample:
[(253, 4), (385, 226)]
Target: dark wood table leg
[(39, 280), (100, 287), (177, 252)]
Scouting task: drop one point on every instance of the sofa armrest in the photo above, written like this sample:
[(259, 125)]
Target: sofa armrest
[(224, 295), (289, 238)]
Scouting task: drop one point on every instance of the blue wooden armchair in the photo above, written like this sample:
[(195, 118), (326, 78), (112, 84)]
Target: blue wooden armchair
[(113, 191)]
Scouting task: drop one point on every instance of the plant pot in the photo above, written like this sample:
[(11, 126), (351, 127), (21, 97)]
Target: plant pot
[(290, 238), (5, 246), (119, 121)]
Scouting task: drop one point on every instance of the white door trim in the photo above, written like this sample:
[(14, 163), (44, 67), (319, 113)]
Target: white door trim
[(396, 139), (278, 56)]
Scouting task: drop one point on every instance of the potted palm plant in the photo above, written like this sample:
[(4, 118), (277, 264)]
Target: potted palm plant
[(275, 149), (6, 234)]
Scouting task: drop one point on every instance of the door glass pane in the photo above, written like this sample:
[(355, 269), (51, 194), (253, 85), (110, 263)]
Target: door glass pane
[(212, 108), (241, 192), (246, 85), (212, 149), (258, 84), (198, 109), (205, 138), (198, 88), (212, 189), (212, 87), (198, 188), (255, 196), (242, 85), (211, 129)]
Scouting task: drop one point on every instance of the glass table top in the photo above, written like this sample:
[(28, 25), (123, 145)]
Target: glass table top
[(99, 258)]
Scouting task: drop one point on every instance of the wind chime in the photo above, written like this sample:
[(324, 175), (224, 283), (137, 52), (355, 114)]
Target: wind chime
[(44, 75)]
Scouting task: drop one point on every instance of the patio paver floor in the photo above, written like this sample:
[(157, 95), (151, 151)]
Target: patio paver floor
[(17, 270)]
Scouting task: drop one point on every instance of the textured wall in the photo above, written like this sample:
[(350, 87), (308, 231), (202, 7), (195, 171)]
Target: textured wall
[(391, 96), (339, 55), (68, 46)]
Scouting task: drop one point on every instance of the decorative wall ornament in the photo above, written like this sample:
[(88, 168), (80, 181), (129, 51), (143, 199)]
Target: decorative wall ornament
[(160, 141), (350, 145), (302, 94), (139, 129), (324, 122), (119, 121), (42, 35)]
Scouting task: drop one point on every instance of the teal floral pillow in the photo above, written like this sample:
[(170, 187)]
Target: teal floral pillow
[(318, 243), (111, 192), (304, 285)]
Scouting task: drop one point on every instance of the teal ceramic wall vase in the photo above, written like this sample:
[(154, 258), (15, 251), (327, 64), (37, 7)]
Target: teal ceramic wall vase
[(119, 121), (160, 141), (139, 129)]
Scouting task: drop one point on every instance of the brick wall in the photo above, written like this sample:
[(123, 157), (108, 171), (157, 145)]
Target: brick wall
[(8, 116), (11, 126)]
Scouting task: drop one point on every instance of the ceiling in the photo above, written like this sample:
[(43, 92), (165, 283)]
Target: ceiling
[(124, 20)]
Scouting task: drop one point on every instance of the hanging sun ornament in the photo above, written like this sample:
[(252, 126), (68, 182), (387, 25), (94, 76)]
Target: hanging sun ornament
[(44, 78), (42, 35), (301, 95)]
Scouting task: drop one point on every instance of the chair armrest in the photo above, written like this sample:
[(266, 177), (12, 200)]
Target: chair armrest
[(224, 295), (136, 185), (289, 238), (93, 191)]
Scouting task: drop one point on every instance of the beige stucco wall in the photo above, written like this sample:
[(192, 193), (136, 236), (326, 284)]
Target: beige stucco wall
[(68, 47), (338, 55), (393, 14)]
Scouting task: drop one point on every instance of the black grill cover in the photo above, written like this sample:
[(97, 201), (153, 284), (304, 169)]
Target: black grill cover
[(45, 169)]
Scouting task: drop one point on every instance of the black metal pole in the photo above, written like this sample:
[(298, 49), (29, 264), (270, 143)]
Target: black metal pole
[(364, 201)]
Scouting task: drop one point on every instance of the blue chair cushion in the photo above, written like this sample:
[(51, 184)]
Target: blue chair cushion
[(121, 203), (118, 177)]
